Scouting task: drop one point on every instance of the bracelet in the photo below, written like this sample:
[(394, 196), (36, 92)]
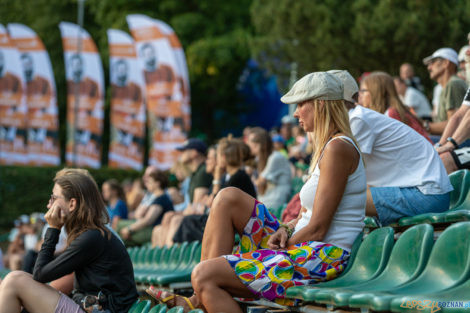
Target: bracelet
[(452, 141), (216, 182), (289, 230)]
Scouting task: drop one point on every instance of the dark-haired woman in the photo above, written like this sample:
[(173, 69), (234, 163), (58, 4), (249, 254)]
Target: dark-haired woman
[(103, 270), (114, 195)]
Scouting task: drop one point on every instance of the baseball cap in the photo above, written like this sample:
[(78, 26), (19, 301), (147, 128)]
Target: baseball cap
[(194, 143), (462, 53), (349, 84), (278, 138), (443, 53), (317, 85)]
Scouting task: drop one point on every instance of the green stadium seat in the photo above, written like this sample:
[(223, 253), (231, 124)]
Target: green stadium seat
[(176, 309), (354, 249), (370, 261), (183, 273), (159, 308), (458, 294), (459, 202), (141, 274), (370, 222), (140, 306), (162, 266), (407, 260), (448, 267), (196, 311)]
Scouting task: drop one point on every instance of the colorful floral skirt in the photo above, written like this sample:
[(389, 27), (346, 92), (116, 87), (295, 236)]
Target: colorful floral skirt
[(268, 273)]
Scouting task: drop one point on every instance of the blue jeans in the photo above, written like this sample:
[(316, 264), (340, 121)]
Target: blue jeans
[(393, 203)]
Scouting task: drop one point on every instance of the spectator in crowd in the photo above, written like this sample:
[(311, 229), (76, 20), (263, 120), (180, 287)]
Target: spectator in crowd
[(16, 249), (274, 174), (404, 174), (279, 144), (333, 201), (134, 195), (287, 122), (103, 269), (413, 98), (453, 146), (194, 156), (139, 231), (462, 71), (442, 66), (180, 194), (148, 196), (114, 196), (379, 94), (407, 74), (229, 172)]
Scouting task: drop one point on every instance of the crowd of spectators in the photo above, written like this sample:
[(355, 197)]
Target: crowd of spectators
[(398, 149)]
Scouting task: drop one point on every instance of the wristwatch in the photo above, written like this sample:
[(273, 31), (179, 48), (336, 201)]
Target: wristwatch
[(453, 142)]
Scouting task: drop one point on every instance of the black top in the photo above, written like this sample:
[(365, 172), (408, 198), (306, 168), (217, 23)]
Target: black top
[(200, 178), (165, 202), (99, 263), (242, 181)]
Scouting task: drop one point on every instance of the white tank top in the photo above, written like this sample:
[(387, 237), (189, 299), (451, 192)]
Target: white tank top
[(348, 220)]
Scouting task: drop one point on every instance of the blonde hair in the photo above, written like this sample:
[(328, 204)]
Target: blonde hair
[(327, 114), (384, 95)]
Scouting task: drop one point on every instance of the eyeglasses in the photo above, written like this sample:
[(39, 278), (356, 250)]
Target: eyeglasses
[(363, 90), (54, 197)]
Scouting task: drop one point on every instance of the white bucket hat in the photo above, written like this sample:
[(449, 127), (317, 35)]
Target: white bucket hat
[(317, 85), (349, 84)]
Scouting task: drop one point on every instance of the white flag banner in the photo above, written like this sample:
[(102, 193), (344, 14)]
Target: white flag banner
[(41, 99), (13, 108), (126, 149), (84, 74), (167, 93)]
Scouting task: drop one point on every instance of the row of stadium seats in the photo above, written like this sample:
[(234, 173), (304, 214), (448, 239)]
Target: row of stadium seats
[(412, 275), (165, 266)]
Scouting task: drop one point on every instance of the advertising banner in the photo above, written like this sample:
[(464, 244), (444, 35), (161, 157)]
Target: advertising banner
[(41, 99), (166, 89), (13, 108), (85, 96), (126, 149)]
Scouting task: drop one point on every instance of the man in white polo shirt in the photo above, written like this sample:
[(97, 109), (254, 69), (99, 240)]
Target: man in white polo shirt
[(405, 176)]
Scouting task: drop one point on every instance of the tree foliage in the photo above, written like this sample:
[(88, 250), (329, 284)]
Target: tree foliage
[(361, 35)]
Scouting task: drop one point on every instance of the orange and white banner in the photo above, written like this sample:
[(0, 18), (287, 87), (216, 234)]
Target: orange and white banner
[(13, 108), (84, 73), (43, 126), (126, 149), (167, 87)]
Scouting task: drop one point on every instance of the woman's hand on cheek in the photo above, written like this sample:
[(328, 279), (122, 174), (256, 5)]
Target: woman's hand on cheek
[(55, 217)]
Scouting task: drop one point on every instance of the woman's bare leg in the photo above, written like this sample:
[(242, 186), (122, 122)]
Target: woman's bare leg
[(19, 289), (370, 206), (230, 211), (156, 235), (215, 283)]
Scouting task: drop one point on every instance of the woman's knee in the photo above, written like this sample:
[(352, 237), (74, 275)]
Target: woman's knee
[(201, 276), (227, 198), (16, 279)]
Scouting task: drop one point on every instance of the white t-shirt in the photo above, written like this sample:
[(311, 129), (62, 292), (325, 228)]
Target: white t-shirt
[(396, 155), (348, 220), (416, 100)]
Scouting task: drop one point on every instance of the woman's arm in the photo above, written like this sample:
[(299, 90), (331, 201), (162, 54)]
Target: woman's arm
[(340, 159), (82, 251), (151, 215)]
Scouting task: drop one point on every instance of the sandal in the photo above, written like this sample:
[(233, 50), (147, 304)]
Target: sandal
[(158, 297)]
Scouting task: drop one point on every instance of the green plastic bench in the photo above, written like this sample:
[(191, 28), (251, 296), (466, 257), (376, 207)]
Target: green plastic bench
[(159, 308), (370, 261), (164, 263), (448, 267), (140, 306), (407, 260)]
